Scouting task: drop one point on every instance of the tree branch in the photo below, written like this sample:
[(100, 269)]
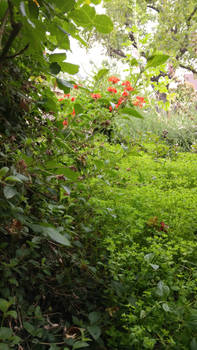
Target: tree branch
[(16, 54), (153, 8), (4, 20), (191, 69), (117, 52), (190, 16)]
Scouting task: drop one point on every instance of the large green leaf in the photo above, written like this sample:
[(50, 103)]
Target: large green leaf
[(9, 192), (55, 68), (156, 60), (57, 57), (132, 112), (64, 85), (52, 233), (95, 331), (101, 73), (64, 5), (69, 68), (84, 16), (5, 333), (103, 24)]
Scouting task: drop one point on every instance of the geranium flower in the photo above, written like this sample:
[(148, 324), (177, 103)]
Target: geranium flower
[(139, 101), (114, 79), (129, 88), (67, 95), (126, 83), (72, 99), (65, 122), (75, 86), (121, 100), (95, 96), (125, 93), (111, 89), (110, 108)]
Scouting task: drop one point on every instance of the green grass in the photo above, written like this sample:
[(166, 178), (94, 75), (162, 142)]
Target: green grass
[(178, 129), (146, 203)]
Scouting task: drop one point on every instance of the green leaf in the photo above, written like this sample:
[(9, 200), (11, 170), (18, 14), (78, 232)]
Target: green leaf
[(94, 317), (166, 307), (3, 171), (12, 313), (103, 24), (64, 5), (51, 232), (22, 8), (57, 57), (162, 289), (9, 192), (13, 179), (156, 60), (193, 344), (55, 68), (69, 68), (94, 331), (79, 345), (101, 73), (154, 266), (78, 108), (132, 112), (84, 16), (4, 305), (29, 328), (64, 85), (5, 333)]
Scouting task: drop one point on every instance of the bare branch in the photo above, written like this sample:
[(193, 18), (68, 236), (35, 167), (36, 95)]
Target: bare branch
[(154, 8), (191, 69), (116, 52), (190, 16)]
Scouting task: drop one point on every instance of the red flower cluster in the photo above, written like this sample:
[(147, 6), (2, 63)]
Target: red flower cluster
[(60, 99), (111, 89), (113, 79), (67, 95), (127, 85), (72, 99), (95, 96), (121, 99), (139, 101), (75, 86), (110, 108), (125, 93)]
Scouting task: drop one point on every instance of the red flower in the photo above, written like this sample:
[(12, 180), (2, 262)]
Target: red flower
[(121, 100), (126, 83), (72, 99), (139, 101), (73, 112), (65, 122), (66, 95), (60, 99), (95, 96), (129, 88), (113, 79), (125, 93), (110, 108), (111, 89), (75, 86)]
